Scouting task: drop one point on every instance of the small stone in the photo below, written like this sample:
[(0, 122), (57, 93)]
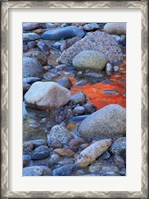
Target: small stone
[(91, 26), (26, 160), (30, 36), (65, 82), (31, 44), (27, 147), (118, 28), (61, 67), (108, 69), (30, 80), (30, 26), (64, 170), (39, 142), (106, 155), (36, 171), (78, 98), (25, 87), (103, 169), (115, 68), (90, 108), (43, 46), (64, 152), (81, 82), (54, 159), (119, 162), (78, 110), (119, 147), (40, 153)]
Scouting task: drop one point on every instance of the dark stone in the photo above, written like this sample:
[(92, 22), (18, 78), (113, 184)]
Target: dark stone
[(65, 82), (64, 170), (40, 153)]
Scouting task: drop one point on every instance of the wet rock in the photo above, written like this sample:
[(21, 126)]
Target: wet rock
[(119, 147), (55, 144), (78, 98), (36, 171), (80, 172), (31, 44), (94, 75), (106, 122), (119, 162), (96, 41), (39, 56), (27, 147), (78, 110), (105, 155), (30, 80), (116, 68), (43, 46), (30, 26), (39, 142), (40, 153), (110, 92), (57, 44), (90, 108), (25, 87), (32, 68), (115, 28), (59, 133), (52, 25), (64, 152), (69, 42), (108, 69), (50, 75), (61, 67), (26, 160), (54, 159), (76, 142), (91, 26), (123, 172), (91, 153), (30, 36), (81, 82), (47, 95), (64, 170), (63, 33), (89, 59), (65, 82)]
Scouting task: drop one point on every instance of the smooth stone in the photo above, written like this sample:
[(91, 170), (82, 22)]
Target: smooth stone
[(97, 168), (92, 152), (39, 56), (93, 75), (26, 160), (65, 82), (107, 122), (30, 26), (32, 68), (27, 147), (116, 68), (89, 108), (25, 87), (30, 80), (119, 147), (91, 26), (43, 46), (78, 110), (30, 36), (106, 155), (37, 171), (57, 44), (81, 82), (110, 92), (78, 98), (69, 42), (77, 118), (59, 133), (31, 44), (119, 162), (97, 41), (50, 75), (108, 69), (90, 59), (65, 152), (76, 142), (47, 95), (61, 67), (40, 153), (54, 159), (63, 33), (65, 170), (39, 142), (118, 28)]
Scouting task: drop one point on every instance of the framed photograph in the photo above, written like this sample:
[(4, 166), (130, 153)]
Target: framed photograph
[(74, 103)]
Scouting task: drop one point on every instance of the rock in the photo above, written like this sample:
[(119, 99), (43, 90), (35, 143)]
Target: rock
[(110, 92), (115, 68), (43, 46), (96, 41), (39, 142), (76, 142), (78, 110), (50, 75), (90, 108), (31, 44), (47, 95), (30, 80), (57, 44), (91, 26), (69, 42), (25, 48), (119, 147), (30, 26), (39, 56), (27, 147), (81, 82), (108, 69), (25, 87), (59, 133), (26, 160), (40, 153), (92, 152), (78, 98), (89, 59), (36, 171), (103, 169), (65, 82), (64, 152), (63, 33), (32, 68), (61, 67), (115, 28), (119, 162), (64, 170), (30, 36), (106, 155), (106, 122), (54, 159)]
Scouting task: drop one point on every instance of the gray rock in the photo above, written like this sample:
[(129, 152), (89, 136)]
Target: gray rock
[(59, 133), (63, 33), (43, 46), (119, 162), (118, 28), (116, 68), (94, 75), (78, 110), (78, 98), (39, 56), (25, 87), (25, 48), (27, 147), (57, 44), (89, 59), (54, 159), (30, 26), (40, 153), (37, 171), (119, 147), (30, 80), (47, 95), (65, 82), (69, 42), (32, 68), (105, 155), (92, 152), (30, 36), (108, 69), (51, 75), (61, 67), (91, 26), (31, 44), (90, 108), (26, 160), (39, 142), (106, 122), (97, 41), (64, 170), (81, 82)]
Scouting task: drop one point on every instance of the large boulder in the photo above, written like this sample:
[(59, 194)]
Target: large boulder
[(63, 33), (90, 59), (30, 36), (39, 56), (107, 122), (47, 95), (30, 26), (32, 68), (115, 28), (97, 41)]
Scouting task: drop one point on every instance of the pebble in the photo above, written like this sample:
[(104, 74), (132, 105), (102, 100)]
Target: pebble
[(108, 69), (119, 162), (78, 110), (97, 168), (119, 147), (106, 155), (90, 108), (78, 98), (64, 152), (27, 147), (26, 160), (65, 82), (43, 46), (65, 170), (40, 153), (39, 142), (91, 26), (61, 67), (30, 36), (54, 159), (115, 68), (30, 80), (36, 171), (31, 44), (81, 82)]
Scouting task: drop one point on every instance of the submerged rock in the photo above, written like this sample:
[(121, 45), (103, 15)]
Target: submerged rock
[(78, 98), (92, 152)]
